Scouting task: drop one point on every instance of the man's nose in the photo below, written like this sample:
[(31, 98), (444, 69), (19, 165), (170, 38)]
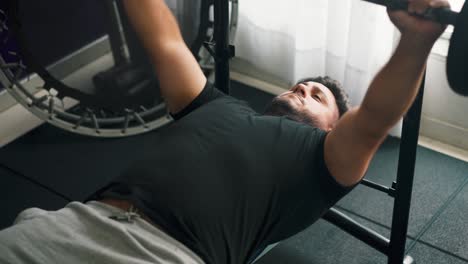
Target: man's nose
[(302, 89)]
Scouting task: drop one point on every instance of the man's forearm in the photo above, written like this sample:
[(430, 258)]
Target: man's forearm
[(154, 23), (393, 90)]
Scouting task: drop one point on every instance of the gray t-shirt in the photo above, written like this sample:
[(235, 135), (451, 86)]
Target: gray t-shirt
[(226, 181)]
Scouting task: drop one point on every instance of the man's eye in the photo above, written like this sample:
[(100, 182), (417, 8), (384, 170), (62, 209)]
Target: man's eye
[(318, 98)]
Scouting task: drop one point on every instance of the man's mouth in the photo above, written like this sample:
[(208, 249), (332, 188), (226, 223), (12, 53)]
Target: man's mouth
[(293, 94), (301, 100)]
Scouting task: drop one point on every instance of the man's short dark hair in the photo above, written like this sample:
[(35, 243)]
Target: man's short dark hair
[(341, 97)]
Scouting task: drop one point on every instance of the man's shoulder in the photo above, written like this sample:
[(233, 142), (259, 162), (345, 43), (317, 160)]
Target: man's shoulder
[(227, 105)]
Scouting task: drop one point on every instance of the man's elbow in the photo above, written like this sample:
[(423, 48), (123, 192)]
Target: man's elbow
[(168, 52), (374, 125)]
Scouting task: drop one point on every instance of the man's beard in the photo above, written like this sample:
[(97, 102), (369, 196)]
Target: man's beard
[(280, 106)]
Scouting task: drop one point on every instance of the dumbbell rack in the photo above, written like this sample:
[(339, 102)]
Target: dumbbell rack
[(401, 189)]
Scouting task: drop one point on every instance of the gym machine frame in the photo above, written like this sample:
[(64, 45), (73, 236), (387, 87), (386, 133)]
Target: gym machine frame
[(122, 102), (223, 51), (401, 189)]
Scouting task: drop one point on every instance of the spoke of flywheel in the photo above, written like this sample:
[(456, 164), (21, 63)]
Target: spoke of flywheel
[(95, 122), (140, 119), (51, 108), (126, 123), (81, 120)]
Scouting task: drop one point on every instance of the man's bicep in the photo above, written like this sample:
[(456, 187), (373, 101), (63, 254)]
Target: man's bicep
[(350, 147), (180, 76)]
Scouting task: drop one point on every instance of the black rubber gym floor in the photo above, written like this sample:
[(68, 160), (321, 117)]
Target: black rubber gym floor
[(73, 167)]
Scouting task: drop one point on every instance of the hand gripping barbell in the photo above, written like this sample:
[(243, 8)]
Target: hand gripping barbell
[(457, 68)]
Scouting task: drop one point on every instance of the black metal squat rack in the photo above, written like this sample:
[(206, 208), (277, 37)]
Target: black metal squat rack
[(401, 189)]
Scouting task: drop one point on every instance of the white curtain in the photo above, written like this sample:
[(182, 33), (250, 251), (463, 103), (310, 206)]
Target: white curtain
[(349, 40)]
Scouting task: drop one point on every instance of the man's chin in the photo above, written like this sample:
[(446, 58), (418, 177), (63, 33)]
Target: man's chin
[(283, 105)]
